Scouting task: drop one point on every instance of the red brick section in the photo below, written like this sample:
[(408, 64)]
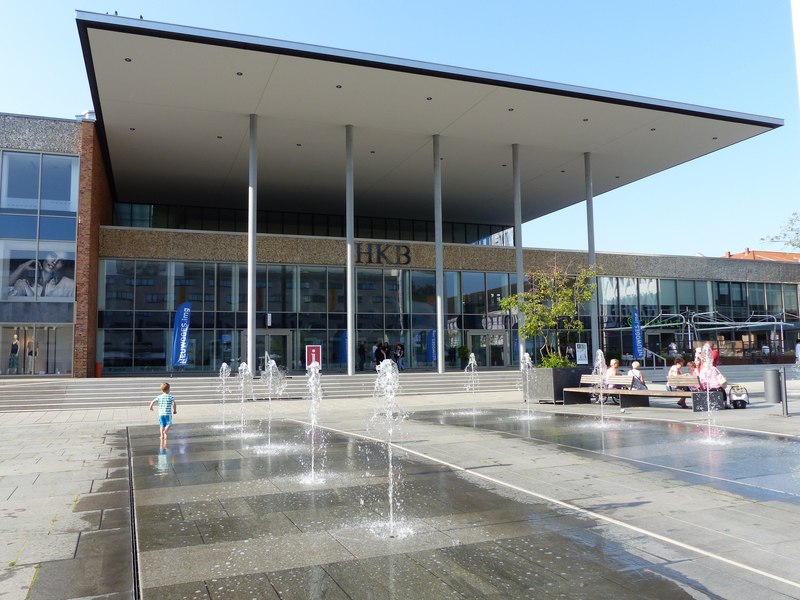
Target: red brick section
[(94, 210)]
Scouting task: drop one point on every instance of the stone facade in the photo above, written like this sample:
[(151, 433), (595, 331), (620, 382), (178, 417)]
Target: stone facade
[(38, 134)]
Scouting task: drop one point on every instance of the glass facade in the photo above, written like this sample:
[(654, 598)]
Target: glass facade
[(319, 225), (38, 219)]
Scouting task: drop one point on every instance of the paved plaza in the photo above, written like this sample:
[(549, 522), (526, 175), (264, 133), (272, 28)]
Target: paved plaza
[(487, 500)]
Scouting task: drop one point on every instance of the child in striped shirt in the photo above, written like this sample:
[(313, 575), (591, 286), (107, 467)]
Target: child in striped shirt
[(166, 408)]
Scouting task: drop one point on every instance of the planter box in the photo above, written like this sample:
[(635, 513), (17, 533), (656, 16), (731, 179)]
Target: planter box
[(547, 385)]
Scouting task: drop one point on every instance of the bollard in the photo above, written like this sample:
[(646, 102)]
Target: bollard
[(784, 395), (772, 386)]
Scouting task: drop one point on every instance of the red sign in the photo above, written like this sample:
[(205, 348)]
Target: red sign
[(314, 353)]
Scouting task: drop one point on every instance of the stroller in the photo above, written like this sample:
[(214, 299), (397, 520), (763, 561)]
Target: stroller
[(738, 396)]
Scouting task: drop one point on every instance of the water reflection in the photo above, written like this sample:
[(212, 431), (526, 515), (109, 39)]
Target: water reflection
[(750, 464)]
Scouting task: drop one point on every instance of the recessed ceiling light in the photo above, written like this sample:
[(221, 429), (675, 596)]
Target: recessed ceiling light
[(715, 138), (652, 129), (429, 98), (585, 120), (372, 151), (563, 171), (616, 177), (239, 73), (339, 86), (128, 59), (133, 128), (510, 110), (219, 137), (298, 145), (505, 165)]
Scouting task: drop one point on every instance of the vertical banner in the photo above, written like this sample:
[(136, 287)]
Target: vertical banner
[(430, 346), (180, 335), (638, 345)]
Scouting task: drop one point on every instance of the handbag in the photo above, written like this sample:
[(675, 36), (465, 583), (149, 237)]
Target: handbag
[(723, 382), (636, 384)]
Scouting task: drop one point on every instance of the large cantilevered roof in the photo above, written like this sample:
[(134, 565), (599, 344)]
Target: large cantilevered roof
[(173, 106)]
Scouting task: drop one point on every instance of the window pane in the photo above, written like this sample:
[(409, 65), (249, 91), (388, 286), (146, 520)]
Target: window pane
[(607, 295), (281, 287), (60, 183), (627, 298), (686, 296), (669, 296), (452, 292), (151, 285), (118, 284), (21, 227), (496, 288), (473, 292), (20, 179), (774, 298), (790, 301), (393, 291), (313, 289), (56, 228), (648, 298), (188, 285), (755, 296), (369, 291), (423, 292)]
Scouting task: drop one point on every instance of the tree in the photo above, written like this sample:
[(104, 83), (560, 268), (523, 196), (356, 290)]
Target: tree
[(789, 234), (550, 308)]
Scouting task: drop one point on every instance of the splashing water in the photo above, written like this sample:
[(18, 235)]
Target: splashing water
[(245, 377), (389, 414), (314, 386), (601, 370), (471, 371), (526, 369), (705, 373), (274, 379), (223, 389)]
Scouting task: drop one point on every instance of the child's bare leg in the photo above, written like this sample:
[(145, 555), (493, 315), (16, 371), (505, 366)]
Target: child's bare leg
[(165, 432)]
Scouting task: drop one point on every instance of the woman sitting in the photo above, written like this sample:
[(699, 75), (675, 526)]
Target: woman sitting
[(637, 379), (710, 381), (676, 371)]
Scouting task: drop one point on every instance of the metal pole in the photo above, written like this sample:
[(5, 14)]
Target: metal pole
[(587, 165), (252, 212), (784, 395), (437, 217), (518, 243), (350, 232)]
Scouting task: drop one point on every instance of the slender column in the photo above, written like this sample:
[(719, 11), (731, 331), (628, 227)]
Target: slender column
[(252, 211), (518, 238), (587, 165), (350, 232), (437, 227)]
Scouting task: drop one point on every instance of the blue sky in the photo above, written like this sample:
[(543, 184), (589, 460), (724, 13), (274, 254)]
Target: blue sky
[(731, 54)]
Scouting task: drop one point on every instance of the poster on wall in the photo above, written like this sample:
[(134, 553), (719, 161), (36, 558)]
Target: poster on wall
[(582, 353), (50, 274)]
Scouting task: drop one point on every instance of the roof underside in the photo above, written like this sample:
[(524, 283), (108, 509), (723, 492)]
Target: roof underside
[(173, 118)]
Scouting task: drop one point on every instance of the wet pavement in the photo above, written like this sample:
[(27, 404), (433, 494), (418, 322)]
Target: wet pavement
[(487, 503)]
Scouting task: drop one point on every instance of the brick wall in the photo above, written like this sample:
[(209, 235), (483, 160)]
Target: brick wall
[(94, 210)]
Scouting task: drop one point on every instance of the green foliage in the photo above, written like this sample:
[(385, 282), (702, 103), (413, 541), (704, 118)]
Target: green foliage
[(550, 309), (789, 234), (555, 361), (463, 352)]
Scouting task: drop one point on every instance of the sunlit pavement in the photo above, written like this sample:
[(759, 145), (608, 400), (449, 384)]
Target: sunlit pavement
[(492, 501)]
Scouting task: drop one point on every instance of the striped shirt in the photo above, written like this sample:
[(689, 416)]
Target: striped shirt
[(164, 402)]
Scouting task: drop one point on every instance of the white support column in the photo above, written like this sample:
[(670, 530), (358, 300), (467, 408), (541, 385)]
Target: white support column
[(595, 329), (252, 212), (350, 233), (437, 227), (518, 238)]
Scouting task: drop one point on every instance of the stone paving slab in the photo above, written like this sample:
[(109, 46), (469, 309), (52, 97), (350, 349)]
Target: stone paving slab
[(63, 440)]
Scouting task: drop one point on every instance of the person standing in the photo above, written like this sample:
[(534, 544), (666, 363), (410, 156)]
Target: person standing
[(400, 353), (166, 408), (362, 355), (13, 356)]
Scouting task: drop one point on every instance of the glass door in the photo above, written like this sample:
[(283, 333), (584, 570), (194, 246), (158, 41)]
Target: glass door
[(477, 346), (272, 344), (491, 348)]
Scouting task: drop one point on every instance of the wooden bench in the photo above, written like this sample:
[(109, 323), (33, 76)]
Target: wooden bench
[(627, 397)]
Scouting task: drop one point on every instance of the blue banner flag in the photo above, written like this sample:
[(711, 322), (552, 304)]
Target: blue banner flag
[(638, 344), (430, 346), (180, 335)]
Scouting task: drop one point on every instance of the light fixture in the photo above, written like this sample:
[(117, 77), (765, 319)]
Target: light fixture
[(128, 59), (652, 129), (133, 128), (585, 120), (429, 98), (372, 151), (239, 73), (715, 138), (510, 110), (505, 165), (219, 137), (339, 86), (563, 171), (299, 145)]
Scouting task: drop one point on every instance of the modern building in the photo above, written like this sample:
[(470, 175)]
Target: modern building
[(306, 196)]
